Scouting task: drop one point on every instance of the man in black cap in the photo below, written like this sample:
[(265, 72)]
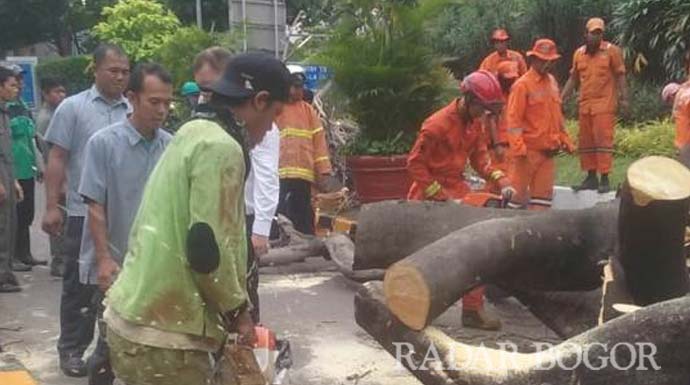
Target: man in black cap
[(182, 287)]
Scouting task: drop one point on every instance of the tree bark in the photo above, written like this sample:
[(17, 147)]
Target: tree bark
[(654, 205), (390, 231), (566, 313), (553, 251), (665, 325)]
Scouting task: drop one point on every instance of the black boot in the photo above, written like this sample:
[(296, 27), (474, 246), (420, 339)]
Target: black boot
[(8, 283), (29, 260), (604, 185), (57, 267), (590, 183), (20, 267)]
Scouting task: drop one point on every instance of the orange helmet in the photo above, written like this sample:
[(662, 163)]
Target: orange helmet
[(484, 86), (500, 34)]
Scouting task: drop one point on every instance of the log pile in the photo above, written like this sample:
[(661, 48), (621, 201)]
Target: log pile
[(554, 263)]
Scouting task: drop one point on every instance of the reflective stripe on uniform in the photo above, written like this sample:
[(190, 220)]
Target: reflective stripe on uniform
[(432, 189), (296, 172), (321, 159), (591, 150), (497, 174), (540, 202), (515, 130), (299, 133)]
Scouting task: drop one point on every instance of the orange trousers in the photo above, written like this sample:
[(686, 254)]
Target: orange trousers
[(533, 177), (596, 142)]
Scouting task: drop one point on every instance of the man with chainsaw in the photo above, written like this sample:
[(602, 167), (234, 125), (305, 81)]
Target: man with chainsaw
[(182, 289), (448, 140), (536, 128)]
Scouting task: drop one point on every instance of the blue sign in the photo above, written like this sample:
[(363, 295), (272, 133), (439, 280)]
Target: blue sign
[(28, 91), (316, 76)]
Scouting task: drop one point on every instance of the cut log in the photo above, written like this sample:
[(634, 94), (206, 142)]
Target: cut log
[(390, 231), (437, 359), (342, 250), (653, 214), (554, 251)]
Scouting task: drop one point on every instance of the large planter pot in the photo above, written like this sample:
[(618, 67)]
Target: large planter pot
[(380, 178)]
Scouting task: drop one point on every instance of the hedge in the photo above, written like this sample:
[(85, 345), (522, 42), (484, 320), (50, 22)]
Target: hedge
[(71, 71)]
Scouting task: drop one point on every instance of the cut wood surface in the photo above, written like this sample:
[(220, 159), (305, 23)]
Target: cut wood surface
[(654, 205), (554, 251), (439, 359), (390, 231)]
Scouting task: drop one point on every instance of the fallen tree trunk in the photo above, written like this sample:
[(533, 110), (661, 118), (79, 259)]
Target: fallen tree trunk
[(292, 246), (654, 205), (342, 250), (554, 251), (293, 253), (601, 355), (566, 313), (390, 231)]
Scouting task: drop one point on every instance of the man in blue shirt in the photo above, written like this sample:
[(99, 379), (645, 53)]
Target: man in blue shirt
[(118, 162), (75, 121)]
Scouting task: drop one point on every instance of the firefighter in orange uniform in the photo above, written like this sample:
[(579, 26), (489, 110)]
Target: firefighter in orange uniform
[(599, 70), (681, 115), (499, 40), (304, 161), (449, 139), (498, 134), (536, 128)]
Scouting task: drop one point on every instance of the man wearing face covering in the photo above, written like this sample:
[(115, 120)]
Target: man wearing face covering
[(599, 71)]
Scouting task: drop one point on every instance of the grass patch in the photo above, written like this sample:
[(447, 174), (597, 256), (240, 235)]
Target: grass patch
[(568, 172)]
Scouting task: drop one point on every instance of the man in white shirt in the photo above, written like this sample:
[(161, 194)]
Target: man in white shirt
[(262, 186)]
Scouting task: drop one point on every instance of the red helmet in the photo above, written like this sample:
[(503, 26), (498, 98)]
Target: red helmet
[(484, 86)]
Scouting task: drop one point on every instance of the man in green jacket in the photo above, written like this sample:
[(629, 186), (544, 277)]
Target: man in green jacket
[(182, 288)]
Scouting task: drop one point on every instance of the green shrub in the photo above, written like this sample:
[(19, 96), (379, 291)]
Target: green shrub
[(651, 138), (383, 64), (72, 71)]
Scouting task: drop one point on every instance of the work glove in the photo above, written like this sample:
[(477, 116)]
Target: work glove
[(507, 194)]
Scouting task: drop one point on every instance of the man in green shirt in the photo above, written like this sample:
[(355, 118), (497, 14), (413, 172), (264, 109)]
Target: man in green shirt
[(26, 170), (182, 288)]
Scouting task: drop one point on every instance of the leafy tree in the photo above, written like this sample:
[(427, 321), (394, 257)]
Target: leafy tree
[(141, 27), (655, 36), (383, 64), (177, 53)]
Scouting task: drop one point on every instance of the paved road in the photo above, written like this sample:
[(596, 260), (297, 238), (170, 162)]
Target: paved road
[(308, 303)]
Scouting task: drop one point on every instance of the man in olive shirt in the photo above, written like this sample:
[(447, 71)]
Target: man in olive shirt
[(191, 228)]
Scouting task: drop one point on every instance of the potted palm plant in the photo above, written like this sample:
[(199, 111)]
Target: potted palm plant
[(384, 66)]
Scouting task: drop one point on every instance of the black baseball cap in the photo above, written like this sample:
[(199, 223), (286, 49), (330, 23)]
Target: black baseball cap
[(249, 73)]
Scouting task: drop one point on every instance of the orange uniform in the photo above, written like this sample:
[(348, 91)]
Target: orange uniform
[(440, 154), (437, 162), (681, 115), (303, 147), (597, 104), (490, 63), (535, 130)]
